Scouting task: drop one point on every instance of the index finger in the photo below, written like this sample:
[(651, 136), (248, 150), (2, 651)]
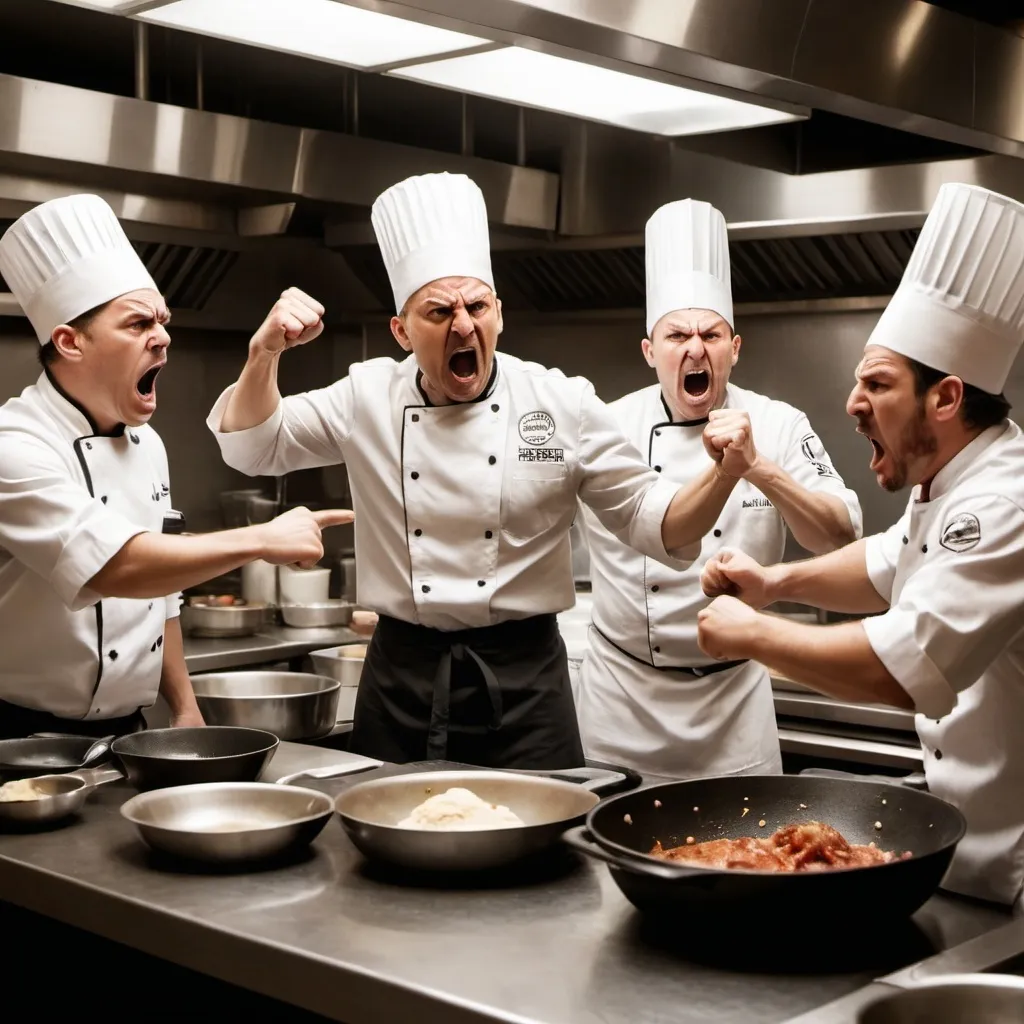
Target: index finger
[(333, 517)]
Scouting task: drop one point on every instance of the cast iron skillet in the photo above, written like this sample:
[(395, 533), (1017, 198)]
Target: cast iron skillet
[(622, 829), (183, 757), (50, 755)]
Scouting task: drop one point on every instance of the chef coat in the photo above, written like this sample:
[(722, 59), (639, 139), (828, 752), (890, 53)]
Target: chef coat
[(70, 499), (463, 511), (952, 570), (633, 708)]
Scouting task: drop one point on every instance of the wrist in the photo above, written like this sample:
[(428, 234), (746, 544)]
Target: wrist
[(761, 472), (721, 478), (776, 582), (260, 355)]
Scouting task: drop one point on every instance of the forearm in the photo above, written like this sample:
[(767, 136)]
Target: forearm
[(256, 395), (834, 660), (175, 685), (819, 522), (153, 565), (696, 507), (838, 582)]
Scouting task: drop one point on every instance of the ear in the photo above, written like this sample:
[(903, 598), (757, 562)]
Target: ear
[(68, 342), (647, 346), (399, 331), (501, 319), (946, 399), (737, 341)]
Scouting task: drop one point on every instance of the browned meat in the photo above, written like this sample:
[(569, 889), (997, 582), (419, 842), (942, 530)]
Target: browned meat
[(808, 846)]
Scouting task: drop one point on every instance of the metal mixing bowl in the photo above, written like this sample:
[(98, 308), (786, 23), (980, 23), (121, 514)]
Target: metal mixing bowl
[(291, 705), (216, 621), (317, 614), (229, 822), (953, 999)]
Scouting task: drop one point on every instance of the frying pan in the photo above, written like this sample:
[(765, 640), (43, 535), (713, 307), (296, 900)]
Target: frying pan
[(58, 797), (181, 757), (622, 829), (50, 755), (370, 812)]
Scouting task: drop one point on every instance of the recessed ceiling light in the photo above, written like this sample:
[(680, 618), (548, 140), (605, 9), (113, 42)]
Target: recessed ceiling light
[(323, 29), (535, 79)]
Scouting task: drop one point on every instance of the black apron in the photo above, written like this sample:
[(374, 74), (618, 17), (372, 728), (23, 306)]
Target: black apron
[(17, 722), (496, 696)]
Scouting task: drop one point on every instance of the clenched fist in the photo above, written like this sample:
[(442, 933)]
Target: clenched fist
[(725, 629), (296, 537), (736, 574), (729, 440), (295, 319)]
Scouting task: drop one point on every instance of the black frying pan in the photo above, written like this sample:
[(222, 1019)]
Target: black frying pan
[(622, 829), (183, 757), (50, 755)]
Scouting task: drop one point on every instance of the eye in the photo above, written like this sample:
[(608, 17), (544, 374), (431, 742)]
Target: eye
[(477, 307), (874, 386)]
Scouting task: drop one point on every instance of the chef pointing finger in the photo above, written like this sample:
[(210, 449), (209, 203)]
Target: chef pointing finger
[(649, 697), (88, 579), (945, 581), (466, 467)]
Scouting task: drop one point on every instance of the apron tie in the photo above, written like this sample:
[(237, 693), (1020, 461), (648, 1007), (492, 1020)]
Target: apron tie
[(440, 710)]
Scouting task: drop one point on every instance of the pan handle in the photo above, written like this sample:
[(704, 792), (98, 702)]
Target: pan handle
[(93, 777), (581, 839), (594, 779)]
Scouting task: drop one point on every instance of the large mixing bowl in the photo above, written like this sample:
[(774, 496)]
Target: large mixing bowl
[(291, 705), (952, 999)]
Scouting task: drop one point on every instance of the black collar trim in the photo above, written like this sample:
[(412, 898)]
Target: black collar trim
[(118, 431), (678, 423), (482, 397)]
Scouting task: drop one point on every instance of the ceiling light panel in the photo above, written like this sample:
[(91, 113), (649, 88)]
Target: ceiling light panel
[(542, 80), (322, 29)]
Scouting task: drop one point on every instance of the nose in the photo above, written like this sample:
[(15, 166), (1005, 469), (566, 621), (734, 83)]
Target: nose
[(857, 404), (462, 323), (161, 338)]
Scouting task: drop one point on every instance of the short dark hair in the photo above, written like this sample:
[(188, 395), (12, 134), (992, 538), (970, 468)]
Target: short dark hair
[(980, 410), (48, 353)]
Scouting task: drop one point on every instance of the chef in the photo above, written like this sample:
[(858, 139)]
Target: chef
[(947, 581), (649, 697), (465, 469), (88, 635)]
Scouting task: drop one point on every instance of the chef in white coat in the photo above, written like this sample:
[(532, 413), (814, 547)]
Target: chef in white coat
[(947, 580), (88, 633), (465, 469), (648, 696)]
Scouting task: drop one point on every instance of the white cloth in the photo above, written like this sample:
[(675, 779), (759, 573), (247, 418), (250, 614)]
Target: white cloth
[(960, 305), (687, 256), (68, 256), (953, 571), (632, 710), (69, 501), (463, 511), (429, 227)]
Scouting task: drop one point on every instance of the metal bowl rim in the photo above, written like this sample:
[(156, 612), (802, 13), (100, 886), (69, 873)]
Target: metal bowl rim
[(482, 776), (249, 606), (204, 759), (47, 797), (333, 685), (641, 859), (156, 795)]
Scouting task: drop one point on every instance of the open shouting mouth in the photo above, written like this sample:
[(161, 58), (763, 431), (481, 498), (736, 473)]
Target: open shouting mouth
[(463, 364), (697, 384)]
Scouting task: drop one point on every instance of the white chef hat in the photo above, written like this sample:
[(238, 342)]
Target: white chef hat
[(960, 306), (687, 261), (68, 256), (429, 227)]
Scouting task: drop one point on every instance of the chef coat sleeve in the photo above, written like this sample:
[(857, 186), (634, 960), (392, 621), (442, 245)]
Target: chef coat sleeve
[(805, 459), (627, 496), (881, 555), (51, 524), (961, 607), (304, 432)]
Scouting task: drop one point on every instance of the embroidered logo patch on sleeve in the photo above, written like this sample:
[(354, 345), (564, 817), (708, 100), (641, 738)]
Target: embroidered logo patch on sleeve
[(961, 533)]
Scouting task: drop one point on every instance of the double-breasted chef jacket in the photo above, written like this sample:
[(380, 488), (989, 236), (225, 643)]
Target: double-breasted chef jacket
[(462, 530), (952, 570), (70, 499), (648, 696)]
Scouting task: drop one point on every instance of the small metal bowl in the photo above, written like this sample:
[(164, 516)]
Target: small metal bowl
[(317, 614), (59, 797), (220, 621)]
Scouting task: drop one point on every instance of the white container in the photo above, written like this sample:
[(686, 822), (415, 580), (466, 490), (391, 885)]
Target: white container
[(259, 582), (303, 586)]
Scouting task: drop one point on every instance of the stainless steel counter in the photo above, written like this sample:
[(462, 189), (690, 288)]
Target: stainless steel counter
[(553, 946), (276, 643)]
